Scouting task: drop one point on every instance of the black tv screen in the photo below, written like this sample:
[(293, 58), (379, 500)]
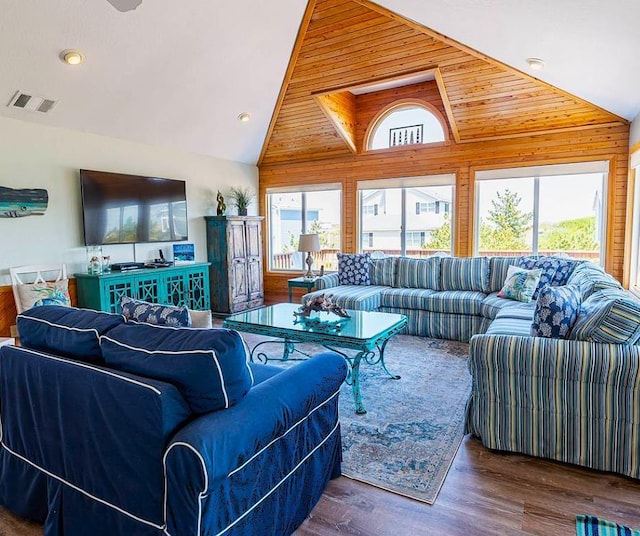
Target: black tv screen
[(127, 209)]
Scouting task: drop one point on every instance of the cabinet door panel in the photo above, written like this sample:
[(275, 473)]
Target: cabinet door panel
[(254, 244), (239, 283), (255, 279), (114, 291), (236, 241), (146, 288)]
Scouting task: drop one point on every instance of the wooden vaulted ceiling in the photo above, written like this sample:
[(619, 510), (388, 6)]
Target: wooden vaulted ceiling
[(347, 44)]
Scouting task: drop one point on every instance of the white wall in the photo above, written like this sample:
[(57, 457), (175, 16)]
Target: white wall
[(34, 156), (634, 135)]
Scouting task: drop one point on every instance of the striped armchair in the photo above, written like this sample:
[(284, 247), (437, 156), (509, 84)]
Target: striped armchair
[(572, 401)]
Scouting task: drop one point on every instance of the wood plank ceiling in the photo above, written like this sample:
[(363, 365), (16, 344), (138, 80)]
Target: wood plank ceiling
[(348, 44)]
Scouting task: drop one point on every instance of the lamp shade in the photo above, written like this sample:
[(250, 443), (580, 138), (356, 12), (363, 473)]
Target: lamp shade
[(309, 242)]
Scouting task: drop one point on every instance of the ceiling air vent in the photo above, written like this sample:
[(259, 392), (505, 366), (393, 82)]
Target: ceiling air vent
[(31, 102)]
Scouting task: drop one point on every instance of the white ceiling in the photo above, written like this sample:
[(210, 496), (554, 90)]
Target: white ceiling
[(177, 73)]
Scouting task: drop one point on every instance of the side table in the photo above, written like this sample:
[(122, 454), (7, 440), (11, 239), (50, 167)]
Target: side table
[(301, 282)]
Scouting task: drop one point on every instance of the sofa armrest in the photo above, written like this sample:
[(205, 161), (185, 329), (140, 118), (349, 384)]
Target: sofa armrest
[(254, 446), (573, 401), (327, 281)]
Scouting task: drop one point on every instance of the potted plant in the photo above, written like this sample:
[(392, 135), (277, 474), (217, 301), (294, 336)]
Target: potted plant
[(241, 198)]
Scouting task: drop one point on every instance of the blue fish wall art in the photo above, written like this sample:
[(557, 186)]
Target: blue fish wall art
[(24, 202)]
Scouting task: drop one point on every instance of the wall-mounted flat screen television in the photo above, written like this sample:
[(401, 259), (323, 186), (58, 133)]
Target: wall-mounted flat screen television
[(129, 209)]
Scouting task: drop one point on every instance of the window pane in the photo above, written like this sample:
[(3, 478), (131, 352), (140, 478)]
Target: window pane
[(571, 215), (323, 218), (429, 223), (504, 216), (291, 214), (407, 126), (380, 231), (285, 226)]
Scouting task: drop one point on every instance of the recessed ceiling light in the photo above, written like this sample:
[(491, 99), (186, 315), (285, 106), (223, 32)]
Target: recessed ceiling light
[(72, 57), (244, 117), (535, 63)]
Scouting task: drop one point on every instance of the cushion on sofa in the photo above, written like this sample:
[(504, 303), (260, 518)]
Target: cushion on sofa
[(548, 267), (493, 304), (556, 311), (67, 331), (353, 268), (357, 297), (591, 277), (498, 268), (466, 302), (154, 313), (566, 267), (209, 367), (44, 293), (405, 298), (520, 284), (464, 273), (418, 273), (383, 271), (510, 326), (608, 316)]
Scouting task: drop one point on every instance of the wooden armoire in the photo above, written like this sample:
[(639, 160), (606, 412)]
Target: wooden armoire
[(234, 249)]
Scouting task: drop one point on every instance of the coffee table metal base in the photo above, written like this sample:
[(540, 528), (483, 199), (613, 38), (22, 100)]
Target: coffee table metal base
[(366, 353)]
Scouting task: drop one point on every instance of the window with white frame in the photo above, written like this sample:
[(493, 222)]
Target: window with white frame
[(297, 210), (401, 227), (634, 279), (542, 210)]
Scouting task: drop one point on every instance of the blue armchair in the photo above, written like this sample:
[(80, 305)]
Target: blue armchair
[(88, 449)]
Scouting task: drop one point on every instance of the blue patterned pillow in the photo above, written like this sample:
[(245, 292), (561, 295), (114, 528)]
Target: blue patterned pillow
[(564, 271), (153, 313), (520, 284), (353, 269), (548, 267), (556, 312)]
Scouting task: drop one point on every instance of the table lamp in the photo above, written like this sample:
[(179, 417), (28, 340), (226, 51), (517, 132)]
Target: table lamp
[(309, 242)]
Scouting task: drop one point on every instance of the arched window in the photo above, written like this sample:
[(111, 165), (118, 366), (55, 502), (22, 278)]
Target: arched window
[(406, 124)]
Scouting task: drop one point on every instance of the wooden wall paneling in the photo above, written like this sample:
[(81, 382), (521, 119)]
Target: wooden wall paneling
[(340, 109)]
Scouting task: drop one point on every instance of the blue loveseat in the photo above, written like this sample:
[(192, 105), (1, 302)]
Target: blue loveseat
[(91, 448)]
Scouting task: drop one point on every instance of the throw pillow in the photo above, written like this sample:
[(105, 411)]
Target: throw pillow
[(44, 293), (556, 311), (383, 271), (353, 269), (67, 331), (520, 284), (153, 313), (548, 267), (208, 366)]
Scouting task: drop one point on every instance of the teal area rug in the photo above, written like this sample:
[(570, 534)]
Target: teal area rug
[(406, 441), (593, 526)]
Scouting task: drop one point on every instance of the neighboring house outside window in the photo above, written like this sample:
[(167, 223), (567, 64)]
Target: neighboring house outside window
[(401, 227), (295, 211)]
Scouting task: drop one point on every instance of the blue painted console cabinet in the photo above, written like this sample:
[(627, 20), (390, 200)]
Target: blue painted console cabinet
[(178, 285)]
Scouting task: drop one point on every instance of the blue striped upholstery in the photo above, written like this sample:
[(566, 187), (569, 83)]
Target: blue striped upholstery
[(327, 281), (590, 278), (407, 298), (465, 302), (418, 273), (357, 297), (464, 273), (492, 305), (383, 271), (571, 401), (510, 326), (498, 267), (608, 316), (440, 325)]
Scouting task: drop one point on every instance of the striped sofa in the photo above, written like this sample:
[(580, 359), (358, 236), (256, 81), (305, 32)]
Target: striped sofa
[(575, 401), (443, 297)]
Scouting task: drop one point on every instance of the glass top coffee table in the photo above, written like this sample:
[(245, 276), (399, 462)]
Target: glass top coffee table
[(366, 332)]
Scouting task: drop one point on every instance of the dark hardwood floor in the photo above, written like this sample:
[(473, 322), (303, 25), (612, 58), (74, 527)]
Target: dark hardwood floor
[(485, 493)]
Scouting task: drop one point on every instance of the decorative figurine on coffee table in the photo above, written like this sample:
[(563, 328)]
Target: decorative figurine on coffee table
[(221, 206)]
